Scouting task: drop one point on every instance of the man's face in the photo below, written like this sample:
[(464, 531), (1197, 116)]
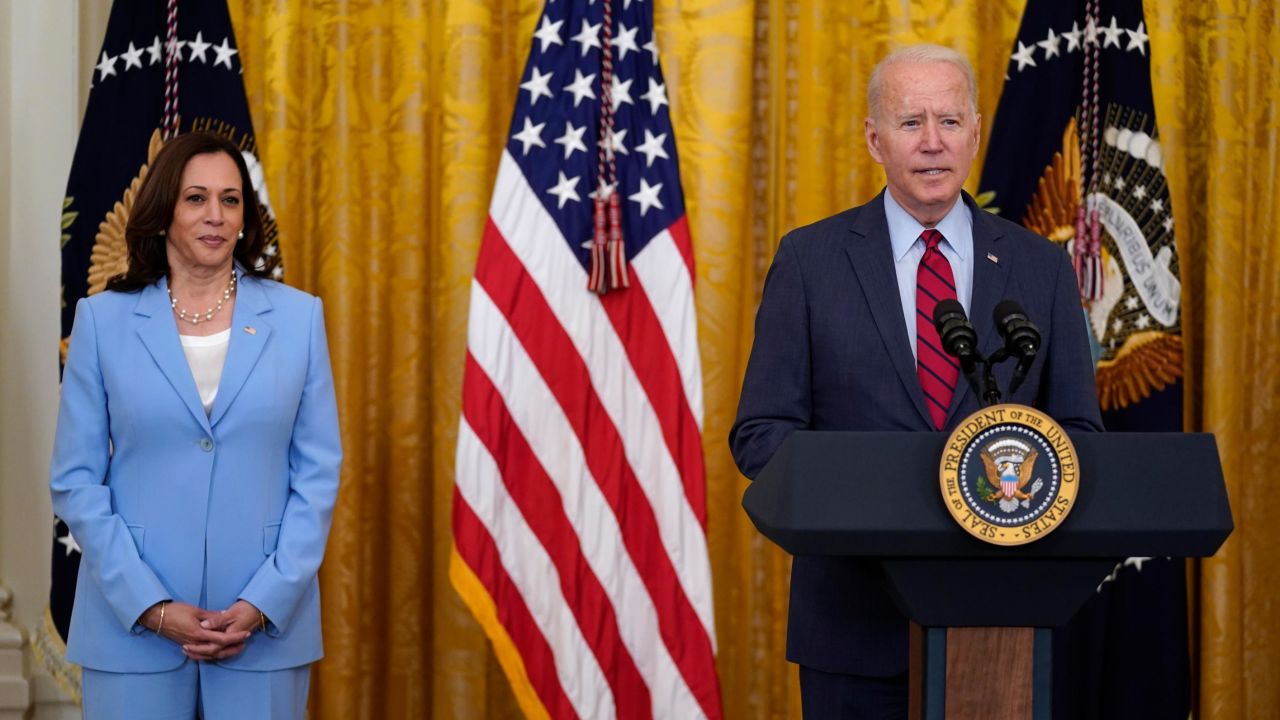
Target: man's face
[(925, 135)]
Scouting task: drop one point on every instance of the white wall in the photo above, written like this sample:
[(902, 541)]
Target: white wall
[(46, 57)]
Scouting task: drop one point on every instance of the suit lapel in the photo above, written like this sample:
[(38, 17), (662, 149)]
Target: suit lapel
[(872, 259), (249, 335), (159, 334), (990, 277)]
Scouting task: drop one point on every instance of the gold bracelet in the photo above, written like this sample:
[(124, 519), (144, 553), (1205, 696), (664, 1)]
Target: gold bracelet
[(262, 618), (160, 627)]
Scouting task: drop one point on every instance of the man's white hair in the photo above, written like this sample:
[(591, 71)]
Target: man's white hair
[(921, 53)]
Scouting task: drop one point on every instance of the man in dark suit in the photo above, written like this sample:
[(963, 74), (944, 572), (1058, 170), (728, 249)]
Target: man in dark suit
[(844, 342)]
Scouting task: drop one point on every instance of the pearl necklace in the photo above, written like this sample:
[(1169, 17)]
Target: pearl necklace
[(197, 317)]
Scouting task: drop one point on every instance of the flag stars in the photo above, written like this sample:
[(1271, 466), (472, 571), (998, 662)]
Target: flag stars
[(1138, 38), (1131, 303), (656, 95), (588, 37), (157, 53), (1140, 192), (1112, 33), (175, 47), (647, 196), (1073, 37), (602, 191), (548, 33), (1119, 183), (1077, 39), (132, 57), (565, 190), (530, 136), (652, 147), (1024, 56), (652, 47), (1091, 32), (1136, 562), (621, 93), (106, 66), (1143, 321), (1168, 224), (538, 85), (615, 142), (69, 544), (1050, 44), (223, 53), (198, 48), (572, 139), (581, 86), (625, 41), (1157, 205), (1117, 326)]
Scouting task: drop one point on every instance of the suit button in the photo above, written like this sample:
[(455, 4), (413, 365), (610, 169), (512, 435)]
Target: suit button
[(206, 444)]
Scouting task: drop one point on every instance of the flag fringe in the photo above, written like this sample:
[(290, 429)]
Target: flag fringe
[(483, 609), (51, 654)]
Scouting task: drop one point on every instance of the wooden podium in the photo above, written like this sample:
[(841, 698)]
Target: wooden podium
[(975, 606)]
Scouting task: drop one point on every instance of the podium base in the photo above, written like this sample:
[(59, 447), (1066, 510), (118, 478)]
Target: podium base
[(980, 672)]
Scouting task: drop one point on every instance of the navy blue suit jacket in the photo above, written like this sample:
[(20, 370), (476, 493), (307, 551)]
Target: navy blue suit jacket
[(832, 352)]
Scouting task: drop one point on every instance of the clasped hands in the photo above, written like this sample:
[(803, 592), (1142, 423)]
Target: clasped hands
[(204, 634)]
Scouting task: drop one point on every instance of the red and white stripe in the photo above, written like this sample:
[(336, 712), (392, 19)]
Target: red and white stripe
[(580, 464)]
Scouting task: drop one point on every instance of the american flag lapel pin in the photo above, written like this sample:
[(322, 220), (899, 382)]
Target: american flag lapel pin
[(992, 257), (249, 329)]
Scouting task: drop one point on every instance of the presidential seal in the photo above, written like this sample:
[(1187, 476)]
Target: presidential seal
[(1009, 474)]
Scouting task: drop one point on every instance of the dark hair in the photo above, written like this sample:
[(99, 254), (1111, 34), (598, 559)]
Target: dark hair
[(153, 212)]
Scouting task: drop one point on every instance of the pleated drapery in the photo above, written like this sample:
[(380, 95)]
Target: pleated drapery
[(380, 126)]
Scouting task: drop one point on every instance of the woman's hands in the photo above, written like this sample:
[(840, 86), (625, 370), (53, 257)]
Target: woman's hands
[(204, 634)]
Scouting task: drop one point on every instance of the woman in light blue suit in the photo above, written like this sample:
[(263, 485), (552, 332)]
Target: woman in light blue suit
[(196, 459)]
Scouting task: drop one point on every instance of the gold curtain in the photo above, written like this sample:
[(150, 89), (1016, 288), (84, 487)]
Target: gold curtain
[(1216, 69), (380, 125)]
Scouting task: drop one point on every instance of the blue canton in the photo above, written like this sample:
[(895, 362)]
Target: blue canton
[(555, 127)]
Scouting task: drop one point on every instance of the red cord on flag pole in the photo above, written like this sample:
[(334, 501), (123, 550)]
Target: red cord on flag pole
[(1088, 245), (170, 123), (608, 253)]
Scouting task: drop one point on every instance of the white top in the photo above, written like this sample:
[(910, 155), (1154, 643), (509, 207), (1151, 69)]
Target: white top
[(206, 355), (956, 246)]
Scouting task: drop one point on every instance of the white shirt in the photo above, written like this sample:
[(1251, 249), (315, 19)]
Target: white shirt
[(956, 246), (206, 356)]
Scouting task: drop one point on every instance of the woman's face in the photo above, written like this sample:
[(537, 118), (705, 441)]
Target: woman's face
[(209, 215)]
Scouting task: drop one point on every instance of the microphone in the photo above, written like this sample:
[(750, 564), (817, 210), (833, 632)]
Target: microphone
[(957, 335), (1021, 338), (959, 339)]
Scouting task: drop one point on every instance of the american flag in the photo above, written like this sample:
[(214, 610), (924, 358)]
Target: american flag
[(579, 512)]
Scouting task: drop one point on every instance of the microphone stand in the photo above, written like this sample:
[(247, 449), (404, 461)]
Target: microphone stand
[(990, 387)]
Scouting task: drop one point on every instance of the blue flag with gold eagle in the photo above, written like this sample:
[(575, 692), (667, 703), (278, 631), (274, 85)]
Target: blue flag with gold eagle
[(188, 51), (1075, 155)]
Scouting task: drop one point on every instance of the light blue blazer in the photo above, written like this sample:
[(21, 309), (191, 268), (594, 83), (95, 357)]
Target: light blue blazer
[(166, 501)]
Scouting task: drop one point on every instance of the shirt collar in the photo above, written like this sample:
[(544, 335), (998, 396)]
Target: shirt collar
[(956, 227)]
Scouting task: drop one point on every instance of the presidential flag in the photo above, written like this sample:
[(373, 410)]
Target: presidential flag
[(165, 67), (1075, 155), (580, 511)]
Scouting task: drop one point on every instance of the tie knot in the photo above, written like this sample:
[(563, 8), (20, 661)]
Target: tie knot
[(931, 239)]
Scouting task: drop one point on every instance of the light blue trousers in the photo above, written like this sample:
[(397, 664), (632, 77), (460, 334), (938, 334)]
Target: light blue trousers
[(196, 690)]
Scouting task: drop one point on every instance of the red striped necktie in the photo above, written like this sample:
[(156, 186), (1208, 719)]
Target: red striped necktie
[(937, 371)]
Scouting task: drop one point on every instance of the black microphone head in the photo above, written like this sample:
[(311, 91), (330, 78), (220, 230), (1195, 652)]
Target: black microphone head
[(957, 335), (1021, 336), (1005, 309), (948, 307)]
